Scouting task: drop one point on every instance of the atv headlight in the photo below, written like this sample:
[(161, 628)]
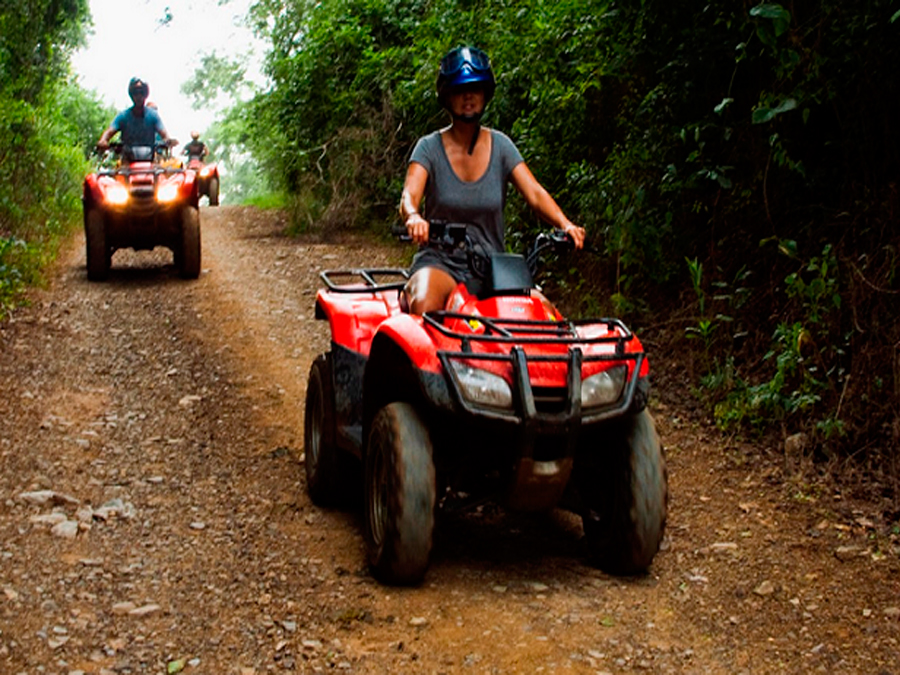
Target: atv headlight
[(603, 388), (116, 194), (205, 172), (482, 387), (166, 193)]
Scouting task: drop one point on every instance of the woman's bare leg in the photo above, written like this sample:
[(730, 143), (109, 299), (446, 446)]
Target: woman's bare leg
[(428, 290)]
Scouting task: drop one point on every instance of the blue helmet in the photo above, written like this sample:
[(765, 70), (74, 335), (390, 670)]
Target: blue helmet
[(138, 87), (465, 66)]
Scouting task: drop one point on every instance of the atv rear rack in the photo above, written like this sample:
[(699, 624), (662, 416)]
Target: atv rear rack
[(524, 331), (366, 279)]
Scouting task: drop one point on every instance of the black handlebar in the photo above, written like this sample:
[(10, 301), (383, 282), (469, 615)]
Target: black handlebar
[(454, 236), (441, 232), (118, 147)]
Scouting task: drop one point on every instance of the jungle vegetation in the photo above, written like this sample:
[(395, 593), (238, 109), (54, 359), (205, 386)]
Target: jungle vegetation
[(48, 126)]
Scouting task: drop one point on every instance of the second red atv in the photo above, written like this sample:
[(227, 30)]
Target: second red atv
[(141, 204), (495, 397), (207, 178)]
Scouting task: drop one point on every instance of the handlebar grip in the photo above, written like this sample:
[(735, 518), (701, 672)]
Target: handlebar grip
[(398, 230)]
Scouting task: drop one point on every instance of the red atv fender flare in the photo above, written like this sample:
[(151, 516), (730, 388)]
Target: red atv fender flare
[(407, 332), (92, 193)]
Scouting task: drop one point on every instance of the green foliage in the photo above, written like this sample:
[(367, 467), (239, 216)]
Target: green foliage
[(36, 38), (216, 76), (792, 395), (802, 391), (47, 126)]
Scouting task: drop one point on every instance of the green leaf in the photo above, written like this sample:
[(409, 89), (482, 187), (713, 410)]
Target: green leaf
[(896, 16), (175, 666), (771, 11), (762, 115), (719, 109), (778, 15), (786, 105), (788, 247)]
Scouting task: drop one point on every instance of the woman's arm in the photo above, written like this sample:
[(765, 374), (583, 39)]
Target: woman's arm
[(546, 207), (411, 199)]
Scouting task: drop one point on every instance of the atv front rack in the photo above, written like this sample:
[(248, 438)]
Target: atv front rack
[(366, 280), (538, 403), (125, 171), (538, 406), (524, 331)]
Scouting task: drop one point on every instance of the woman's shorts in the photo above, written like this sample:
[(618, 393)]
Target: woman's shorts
[(456, 266)]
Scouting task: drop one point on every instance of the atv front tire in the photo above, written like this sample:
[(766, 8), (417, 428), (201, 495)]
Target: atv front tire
[(399, 495), (188, 258), (213, 191), (322, 457), (624, 490), (98, 257)]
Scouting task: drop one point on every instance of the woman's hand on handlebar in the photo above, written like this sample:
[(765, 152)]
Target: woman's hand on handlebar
[(417, 228), (576, 233)]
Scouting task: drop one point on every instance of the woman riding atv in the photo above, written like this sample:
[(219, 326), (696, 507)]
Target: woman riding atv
[(461, 172)]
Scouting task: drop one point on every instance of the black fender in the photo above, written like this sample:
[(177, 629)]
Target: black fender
[(391, 376)]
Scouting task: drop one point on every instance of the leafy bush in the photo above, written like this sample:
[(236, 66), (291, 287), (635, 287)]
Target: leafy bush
[(47, 125)]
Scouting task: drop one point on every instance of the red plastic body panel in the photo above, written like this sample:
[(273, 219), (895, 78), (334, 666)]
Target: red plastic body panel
[(355, 318), (409, 333), (97, 185)]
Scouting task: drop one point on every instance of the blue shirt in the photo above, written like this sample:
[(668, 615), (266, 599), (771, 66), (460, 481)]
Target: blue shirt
[(138, 130)]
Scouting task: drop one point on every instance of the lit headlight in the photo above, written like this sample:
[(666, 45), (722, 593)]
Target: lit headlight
[(603, 388), (167, 193), (481, 387), (116, 194), (205, 171)]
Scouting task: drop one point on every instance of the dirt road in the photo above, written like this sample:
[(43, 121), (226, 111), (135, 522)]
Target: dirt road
[(153, 517)]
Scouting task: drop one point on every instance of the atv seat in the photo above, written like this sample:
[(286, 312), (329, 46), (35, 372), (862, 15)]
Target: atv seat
[(508, 275)]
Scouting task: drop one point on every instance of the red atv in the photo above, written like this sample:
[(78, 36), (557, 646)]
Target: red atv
[(495, 397), (207, 178), (141, 204)]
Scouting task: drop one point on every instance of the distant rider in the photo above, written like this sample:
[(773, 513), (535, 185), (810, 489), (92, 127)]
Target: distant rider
[(139, 124), (196, 148)]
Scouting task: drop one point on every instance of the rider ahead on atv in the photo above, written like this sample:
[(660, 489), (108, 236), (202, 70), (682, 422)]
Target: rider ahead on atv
[(462, 171), (196, 148), (139, 124)]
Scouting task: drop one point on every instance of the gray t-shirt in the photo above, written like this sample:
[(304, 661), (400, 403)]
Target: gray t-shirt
[(479, 202)]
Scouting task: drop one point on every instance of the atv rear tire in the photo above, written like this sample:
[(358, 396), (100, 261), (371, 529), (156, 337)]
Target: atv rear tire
[(213, 191), (399, 495), (322, 457), (188, 258), (98, 257), (624, 489)]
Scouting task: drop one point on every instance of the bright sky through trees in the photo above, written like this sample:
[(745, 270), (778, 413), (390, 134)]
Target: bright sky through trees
[(162, 41)]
